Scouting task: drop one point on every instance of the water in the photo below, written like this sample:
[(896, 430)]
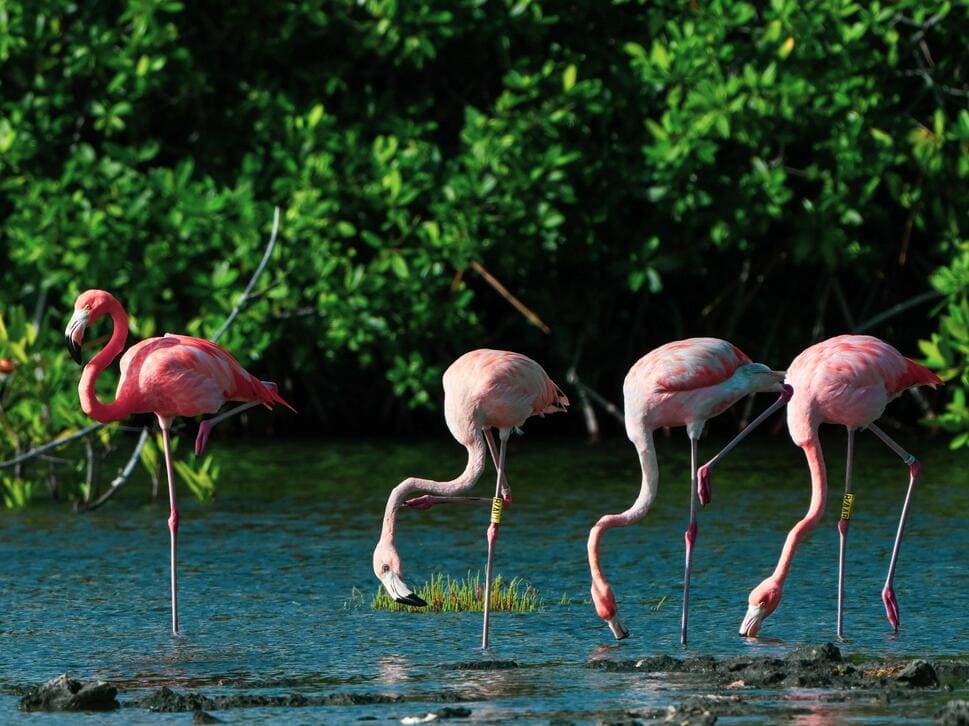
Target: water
[(269, 572)]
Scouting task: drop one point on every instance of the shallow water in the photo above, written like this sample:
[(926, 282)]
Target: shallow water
[(276, 580)]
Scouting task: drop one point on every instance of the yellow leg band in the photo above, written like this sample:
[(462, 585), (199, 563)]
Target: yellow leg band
[(497, 505), (847, 504)]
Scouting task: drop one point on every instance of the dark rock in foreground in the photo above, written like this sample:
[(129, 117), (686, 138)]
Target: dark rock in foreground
[(165, 700), (64, 693), (203, 717), (954, 713), (918, 674)]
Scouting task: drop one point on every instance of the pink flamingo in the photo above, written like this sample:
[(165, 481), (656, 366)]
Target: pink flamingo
[(847, 380), (682, 383), (171, 376), (482, 389)]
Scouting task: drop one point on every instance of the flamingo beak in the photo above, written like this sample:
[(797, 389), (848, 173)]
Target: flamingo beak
[(619, 631), (396, 588), (74, 334), (752, 620)]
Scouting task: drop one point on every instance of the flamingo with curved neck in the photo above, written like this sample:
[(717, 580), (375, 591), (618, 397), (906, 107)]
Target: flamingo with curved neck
[(175, 375), (483, 389), (846, 380), (683, 383)]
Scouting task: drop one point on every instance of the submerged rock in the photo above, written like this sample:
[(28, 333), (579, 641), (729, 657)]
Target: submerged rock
[(203, 717), (954, 713), (64, 693)]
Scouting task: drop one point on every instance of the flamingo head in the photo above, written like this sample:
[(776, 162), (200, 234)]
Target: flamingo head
[(386, 566), (762, 379), (89, 306), (605, 602), (763, 600)]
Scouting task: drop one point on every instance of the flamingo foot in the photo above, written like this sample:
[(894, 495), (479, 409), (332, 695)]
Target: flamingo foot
[(425, 501), (891, 606), (703, 490), (202, 438)]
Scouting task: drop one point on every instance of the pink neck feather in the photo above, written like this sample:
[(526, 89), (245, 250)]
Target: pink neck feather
[(90, 404), (819, 490)]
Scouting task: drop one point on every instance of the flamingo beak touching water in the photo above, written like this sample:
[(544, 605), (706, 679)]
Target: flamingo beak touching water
[(396, 588), (752, 620), (74, 334)]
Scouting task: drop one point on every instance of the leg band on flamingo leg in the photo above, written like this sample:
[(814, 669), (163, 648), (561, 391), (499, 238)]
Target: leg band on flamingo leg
[(703, 473), (843, 523)]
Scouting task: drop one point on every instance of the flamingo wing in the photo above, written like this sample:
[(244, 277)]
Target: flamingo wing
[(687, 365)]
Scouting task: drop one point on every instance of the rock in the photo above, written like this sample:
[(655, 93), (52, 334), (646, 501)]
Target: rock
[(203, 717), (453, 712), (918, 674), (64, 693), (827, 653), (954, 713), (165, 700), (690, 715)]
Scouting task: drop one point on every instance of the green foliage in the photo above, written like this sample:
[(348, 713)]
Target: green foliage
[(947, 351), (444, 595), (632, 171)]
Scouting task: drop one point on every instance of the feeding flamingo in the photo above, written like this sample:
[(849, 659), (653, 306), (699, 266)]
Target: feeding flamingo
[(482, 389), (682, 383), (176, 375), (847, 380)]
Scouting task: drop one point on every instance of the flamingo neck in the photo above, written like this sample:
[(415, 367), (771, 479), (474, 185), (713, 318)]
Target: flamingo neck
[(472, 472), (647, 493), (86, 389), (819, 490)]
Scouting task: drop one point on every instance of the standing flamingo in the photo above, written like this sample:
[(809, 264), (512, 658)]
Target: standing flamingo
[(847, 380), (171, 376), (682, 383), (482, 389)]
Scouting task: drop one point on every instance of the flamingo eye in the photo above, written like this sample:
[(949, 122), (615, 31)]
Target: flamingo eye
[(386, 568), (88, 307)]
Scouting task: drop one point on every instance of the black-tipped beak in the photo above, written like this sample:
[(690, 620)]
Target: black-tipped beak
[(74, 334), (412, 600), (73, 348)]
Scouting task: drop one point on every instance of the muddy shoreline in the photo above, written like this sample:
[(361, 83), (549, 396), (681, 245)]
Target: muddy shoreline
[(742, 686)]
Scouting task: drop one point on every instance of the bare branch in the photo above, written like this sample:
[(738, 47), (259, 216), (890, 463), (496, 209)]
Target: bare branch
[(896, 309), (573, 378), (51, 445), (515, 302), (252, 281), (119, 481)]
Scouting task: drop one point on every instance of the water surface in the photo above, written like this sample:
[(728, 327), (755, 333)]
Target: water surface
[(276, 580)]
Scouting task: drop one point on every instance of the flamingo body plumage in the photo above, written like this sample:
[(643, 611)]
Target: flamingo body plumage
[(846, 380)]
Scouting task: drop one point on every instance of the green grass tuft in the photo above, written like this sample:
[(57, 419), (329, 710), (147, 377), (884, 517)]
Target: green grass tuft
[(444, 595)]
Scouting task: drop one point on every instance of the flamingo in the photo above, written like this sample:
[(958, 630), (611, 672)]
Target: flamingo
[(176, 375), (683, 383), (483, 389), (846, 380)]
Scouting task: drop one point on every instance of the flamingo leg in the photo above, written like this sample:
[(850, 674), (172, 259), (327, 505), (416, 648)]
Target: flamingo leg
[(165, 424), (703, 475), (843, 523), (505, 486), (915, 473), (690, 537), (493, 537), (207, 425)]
